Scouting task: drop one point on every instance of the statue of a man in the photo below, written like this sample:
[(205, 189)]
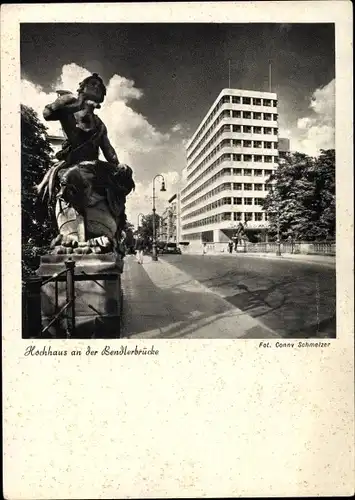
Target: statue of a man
[(89, 194), (239, 234)]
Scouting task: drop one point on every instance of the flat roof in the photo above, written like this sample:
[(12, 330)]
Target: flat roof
[(235, 92)]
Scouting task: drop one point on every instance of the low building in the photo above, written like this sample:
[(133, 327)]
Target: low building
[(284, 149), (56, 143), (168, 224)]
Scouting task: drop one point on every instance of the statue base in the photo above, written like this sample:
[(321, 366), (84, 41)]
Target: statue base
[(98, 295)]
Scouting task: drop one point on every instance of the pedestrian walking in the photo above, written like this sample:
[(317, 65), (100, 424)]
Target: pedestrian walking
[(139, 249)]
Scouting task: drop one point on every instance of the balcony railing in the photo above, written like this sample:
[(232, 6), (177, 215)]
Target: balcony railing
[(309, 248), (325, 248)]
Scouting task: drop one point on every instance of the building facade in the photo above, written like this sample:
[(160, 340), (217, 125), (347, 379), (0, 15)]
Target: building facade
[(230, 158), (56, 142), (284, 149), (168, 223)]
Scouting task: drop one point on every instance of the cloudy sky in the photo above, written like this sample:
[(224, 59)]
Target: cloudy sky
[(162, 79)]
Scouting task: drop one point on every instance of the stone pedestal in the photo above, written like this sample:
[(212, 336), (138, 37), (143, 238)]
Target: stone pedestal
[(98, 296)]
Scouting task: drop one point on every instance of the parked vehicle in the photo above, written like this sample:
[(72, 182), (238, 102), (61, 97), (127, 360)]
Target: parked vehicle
[(171, 248)]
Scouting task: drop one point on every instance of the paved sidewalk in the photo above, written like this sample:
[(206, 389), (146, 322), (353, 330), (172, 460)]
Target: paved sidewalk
[(160, 301)]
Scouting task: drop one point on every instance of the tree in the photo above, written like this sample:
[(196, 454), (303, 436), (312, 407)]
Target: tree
[(324, 172), (146, 229), (302, 197), (129, 230), (37, 230)]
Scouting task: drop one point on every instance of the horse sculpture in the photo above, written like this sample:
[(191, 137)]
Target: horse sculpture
[(86, 194)]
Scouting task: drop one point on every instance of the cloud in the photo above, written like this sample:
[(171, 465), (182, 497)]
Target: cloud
[(137, 142), (317, 130), (285, 132), (141, 201), (323, 101), (305, 123), (177, 127), (33, 95), (70, 77), (122, 89)]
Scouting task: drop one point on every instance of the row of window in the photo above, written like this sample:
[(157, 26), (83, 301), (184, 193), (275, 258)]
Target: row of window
[(213, 192), (223, 115), (253, 158), (250, 216), (232, 157), (256, 172), (239, 143), (192, 236), (250, 129), (211, 180), (224, 201), (214, 165), (226, 216), (255, 101), (223, 172), (252, 115), (236, 186), (236, 143), (249, 101), (214, 139), (246, 129), (208, 220), (232, 142)]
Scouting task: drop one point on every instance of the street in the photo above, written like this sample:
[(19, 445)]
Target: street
[(294, 299)]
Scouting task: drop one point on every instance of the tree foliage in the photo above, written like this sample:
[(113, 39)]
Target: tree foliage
[(129, 230), (146, 227), (37, 228), (302, 198)]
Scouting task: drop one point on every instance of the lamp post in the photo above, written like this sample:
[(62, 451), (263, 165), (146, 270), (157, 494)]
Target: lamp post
[(277, 212), (154, 246), (278, 250), (278, 239)]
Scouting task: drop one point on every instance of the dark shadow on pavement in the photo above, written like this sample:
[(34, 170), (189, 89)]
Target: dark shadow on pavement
[(323, 329), (285, 298)]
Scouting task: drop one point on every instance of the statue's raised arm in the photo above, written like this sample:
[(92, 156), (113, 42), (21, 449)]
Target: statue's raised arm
[(66, 103), (89, 194), (108, 150)]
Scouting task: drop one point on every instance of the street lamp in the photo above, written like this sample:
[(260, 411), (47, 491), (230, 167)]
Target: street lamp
[(278, 250), (277, 213), (278, 239), (154, 246)]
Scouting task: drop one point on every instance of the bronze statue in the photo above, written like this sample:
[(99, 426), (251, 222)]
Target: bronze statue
[(240, 235), (89, 195)]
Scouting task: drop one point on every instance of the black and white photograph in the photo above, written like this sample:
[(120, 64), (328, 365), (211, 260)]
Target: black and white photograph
[(178, 180), (177, 250)]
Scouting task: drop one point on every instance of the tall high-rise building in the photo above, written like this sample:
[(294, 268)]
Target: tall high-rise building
[(230, 158)]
